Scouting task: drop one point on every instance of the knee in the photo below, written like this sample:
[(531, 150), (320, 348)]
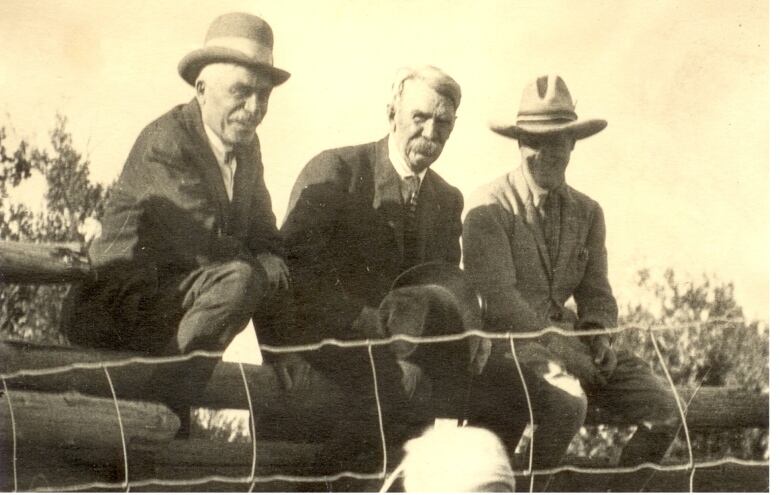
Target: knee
[(567, 398), (665, 414), (240, 284)]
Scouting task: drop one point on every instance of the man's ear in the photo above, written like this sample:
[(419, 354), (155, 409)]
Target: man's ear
[(200, 89)]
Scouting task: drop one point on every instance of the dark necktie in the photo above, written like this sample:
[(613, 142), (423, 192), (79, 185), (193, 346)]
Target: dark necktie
[(410, 190), (549, 211)]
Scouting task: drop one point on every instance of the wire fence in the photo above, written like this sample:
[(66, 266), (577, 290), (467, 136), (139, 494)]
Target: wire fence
[(252, 479)]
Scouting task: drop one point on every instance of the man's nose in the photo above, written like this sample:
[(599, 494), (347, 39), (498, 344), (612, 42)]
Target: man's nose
[(254, 105), (429, 130)]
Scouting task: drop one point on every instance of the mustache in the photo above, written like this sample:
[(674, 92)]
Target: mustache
[(424, 146), (247, 121)]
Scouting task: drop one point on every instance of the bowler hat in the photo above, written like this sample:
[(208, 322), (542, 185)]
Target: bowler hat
[(237, 38), (546, 107)]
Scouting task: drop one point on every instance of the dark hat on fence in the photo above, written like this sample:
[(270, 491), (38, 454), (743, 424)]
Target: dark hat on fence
[(237, 38), (546, 108), (453, 280)]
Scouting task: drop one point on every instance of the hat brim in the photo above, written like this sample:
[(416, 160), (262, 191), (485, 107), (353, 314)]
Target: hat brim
[(579, 129), (192, 63), (450, 278)]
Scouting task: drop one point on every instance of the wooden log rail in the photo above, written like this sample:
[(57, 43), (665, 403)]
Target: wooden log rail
[(710, 407), (67, 427), (25, 262)]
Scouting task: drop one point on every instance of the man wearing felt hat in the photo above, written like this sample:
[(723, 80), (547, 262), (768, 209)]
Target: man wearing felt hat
[(531, 242), (189, 250)]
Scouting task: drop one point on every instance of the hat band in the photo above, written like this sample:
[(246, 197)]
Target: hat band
[(251, 48), (551, 118)]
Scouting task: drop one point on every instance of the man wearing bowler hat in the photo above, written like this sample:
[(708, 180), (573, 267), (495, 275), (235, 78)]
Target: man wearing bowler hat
[(532, 242), (189, 250)]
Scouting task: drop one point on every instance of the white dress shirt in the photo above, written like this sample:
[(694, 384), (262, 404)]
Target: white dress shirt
[(399, 162), (225, 158)]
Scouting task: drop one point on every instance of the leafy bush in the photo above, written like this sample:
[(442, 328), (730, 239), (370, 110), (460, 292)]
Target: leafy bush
[(705, 341), (31, 312)]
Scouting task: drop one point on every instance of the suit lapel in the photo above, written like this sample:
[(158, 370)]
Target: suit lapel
[(243, 181), (205, 160), (569, 230), (387, 192)]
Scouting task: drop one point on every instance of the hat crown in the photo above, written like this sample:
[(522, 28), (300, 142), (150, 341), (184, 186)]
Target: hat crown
[(547, 98), (238, 38), (241, 25)]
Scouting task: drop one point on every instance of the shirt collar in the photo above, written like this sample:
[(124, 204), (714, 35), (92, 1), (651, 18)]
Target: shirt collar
[(399, 162), (533, 194), (537, 194), (218, 147)]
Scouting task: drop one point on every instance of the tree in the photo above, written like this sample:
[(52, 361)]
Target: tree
[(33, 312), (704, 340)]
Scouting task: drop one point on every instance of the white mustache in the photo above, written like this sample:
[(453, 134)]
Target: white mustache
[(425, 146)]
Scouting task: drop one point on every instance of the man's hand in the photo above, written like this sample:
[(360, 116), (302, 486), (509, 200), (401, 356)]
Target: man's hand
[(575, 357), (479, 352), (413, 379), (276, 270), (603, 355), (293, 371)]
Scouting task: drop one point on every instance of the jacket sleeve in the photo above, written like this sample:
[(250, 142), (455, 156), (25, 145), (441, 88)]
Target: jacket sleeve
[(596, 306), (454, 229), (160, 213), (316, 203), (487, 258)]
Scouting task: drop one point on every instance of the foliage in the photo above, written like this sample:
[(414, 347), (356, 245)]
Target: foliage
[(32, 312), (705, 341)]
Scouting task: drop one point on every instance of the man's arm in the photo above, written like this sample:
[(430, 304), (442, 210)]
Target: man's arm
[(264, 236), (487, 258), (596, 306), (160, 215), (316, 203), (453, 230)]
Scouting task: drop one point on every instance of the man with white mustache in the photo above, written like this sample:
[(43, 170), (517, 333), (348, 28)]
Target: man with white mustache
[(358, 217)]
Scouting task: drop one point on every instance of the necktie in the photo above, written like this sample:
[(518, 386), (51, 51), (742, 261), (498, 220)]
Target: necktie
[(410, 190), (549, 211), (411, 186)]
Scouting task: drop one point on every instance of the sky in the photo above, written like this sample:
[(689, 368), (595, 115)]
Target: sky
[(682, 170)]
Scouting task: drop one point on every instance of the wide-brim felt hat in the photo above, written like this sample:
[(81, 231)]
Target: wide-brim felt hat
[(453, 280), (237, 38), (547, 108)]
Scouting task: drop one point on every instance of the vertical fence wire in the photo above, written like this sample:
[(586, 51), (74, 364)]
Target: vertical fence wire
[(126, 484), (378, 409), (682, 411), (530, 414), (252, 427), (13, 433)]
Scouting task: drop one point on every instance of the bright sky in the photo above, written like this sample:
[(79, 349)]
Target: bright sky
[(682, 171)]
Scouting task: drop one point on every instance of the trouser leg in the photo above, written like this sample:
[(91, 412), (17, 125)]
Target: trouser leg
[(557, 402), (644, 399), (206, 309)]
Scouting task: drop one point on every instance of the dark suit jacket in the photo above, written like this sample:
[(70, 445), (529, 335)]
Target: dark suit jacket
[(344, 235), (506, 257), (169, 214)]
